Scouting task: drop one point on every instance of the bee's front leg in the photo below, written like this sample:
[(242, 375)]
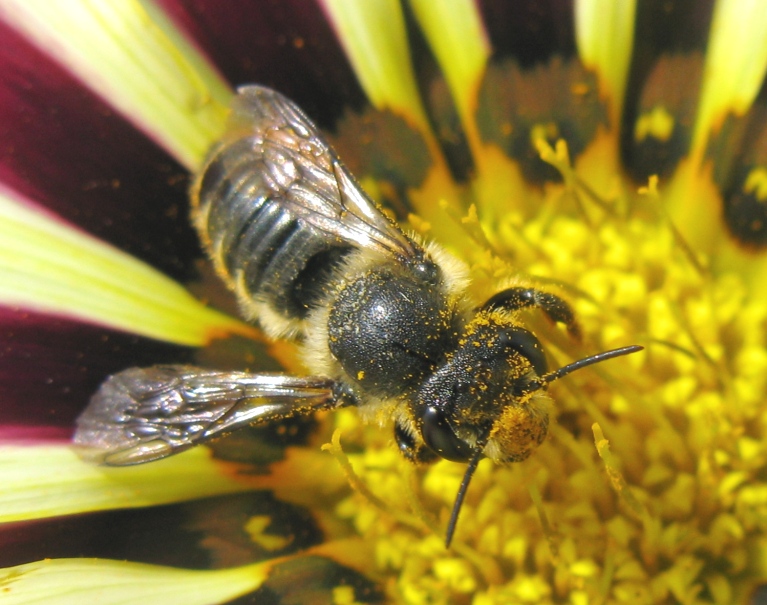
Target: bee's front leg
[(554, 307), (412, 448)]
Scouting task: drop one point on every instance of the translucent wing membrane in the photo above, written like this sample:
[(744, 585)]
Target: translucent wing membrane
[(308, 177), (142, 414)]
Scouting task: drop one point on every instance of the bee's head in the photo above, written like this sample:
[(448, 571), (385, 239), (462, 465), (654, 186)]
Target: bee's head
[(487, 399), (485, 392)]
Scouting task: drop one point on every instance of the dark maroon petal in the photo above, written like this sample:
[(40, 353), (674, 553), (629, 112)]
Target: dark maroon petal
[(203, 533), (49, 366), (666, 72), (34, 435), (311, 580), (530, 30), (512, 102), (63, 147), (673, 85), (658, 30), (208, 533), (739, 151), (288, 45)]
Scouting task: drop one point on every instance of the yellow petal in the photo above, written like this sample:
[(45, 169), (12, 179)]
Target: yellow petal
[(52, 480), (604, 33), (107, 582), (457, 37), (131, 54), (374, 38), (736, 62), (50, 266)]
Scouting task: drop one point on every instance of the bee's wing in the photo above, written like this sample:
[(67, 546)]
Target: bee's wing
[(142, 414), (307, 176)]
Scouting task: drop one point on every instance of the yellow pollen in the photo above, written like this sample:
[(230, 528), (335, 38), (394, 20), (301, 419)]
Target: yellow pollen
[(658, 123), (756, 183), (650, 478)]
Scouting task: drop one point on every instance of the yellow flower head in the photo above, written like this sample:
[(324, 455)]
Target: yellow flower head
[(625, 177)]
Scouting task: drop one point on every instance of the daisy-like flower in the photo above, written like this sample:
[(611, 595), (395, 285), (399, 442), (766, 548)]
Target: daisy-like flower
[(610, 152)]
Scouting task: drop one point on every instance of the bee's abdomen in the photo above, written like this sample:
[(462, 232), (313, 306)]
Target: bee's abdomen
[(265, 252)]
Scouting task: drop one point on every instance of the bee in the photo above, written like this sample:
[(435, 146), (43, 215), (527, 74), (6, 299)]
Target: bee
[(383, 320)]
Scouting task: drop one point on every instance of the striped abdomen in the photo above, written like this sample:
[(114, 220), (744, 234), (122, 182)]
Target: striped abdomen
[(264, 252)]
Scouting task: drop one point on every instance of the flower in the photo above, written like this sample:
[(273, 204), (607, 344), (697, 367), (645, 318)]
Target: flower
[(603, 151)]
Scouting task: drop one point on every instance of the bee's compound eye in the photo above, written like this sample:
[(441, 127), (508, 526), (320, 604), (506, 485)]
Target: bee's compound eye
[(439, 436)]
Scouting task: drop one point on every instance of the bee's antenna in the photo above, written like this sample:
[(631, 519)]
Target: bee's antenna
[(473, 462), (577, 365), (535, 385)]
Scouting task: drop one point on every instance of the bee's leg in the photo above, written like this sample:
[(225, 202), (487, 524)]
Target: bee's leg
[(344, 396), (555, 308), (411, 448)]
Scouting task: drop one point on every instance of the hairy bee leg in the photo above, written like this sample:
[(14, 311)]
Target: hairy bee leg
[(409, 447), (555, 308), (344, 396)]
